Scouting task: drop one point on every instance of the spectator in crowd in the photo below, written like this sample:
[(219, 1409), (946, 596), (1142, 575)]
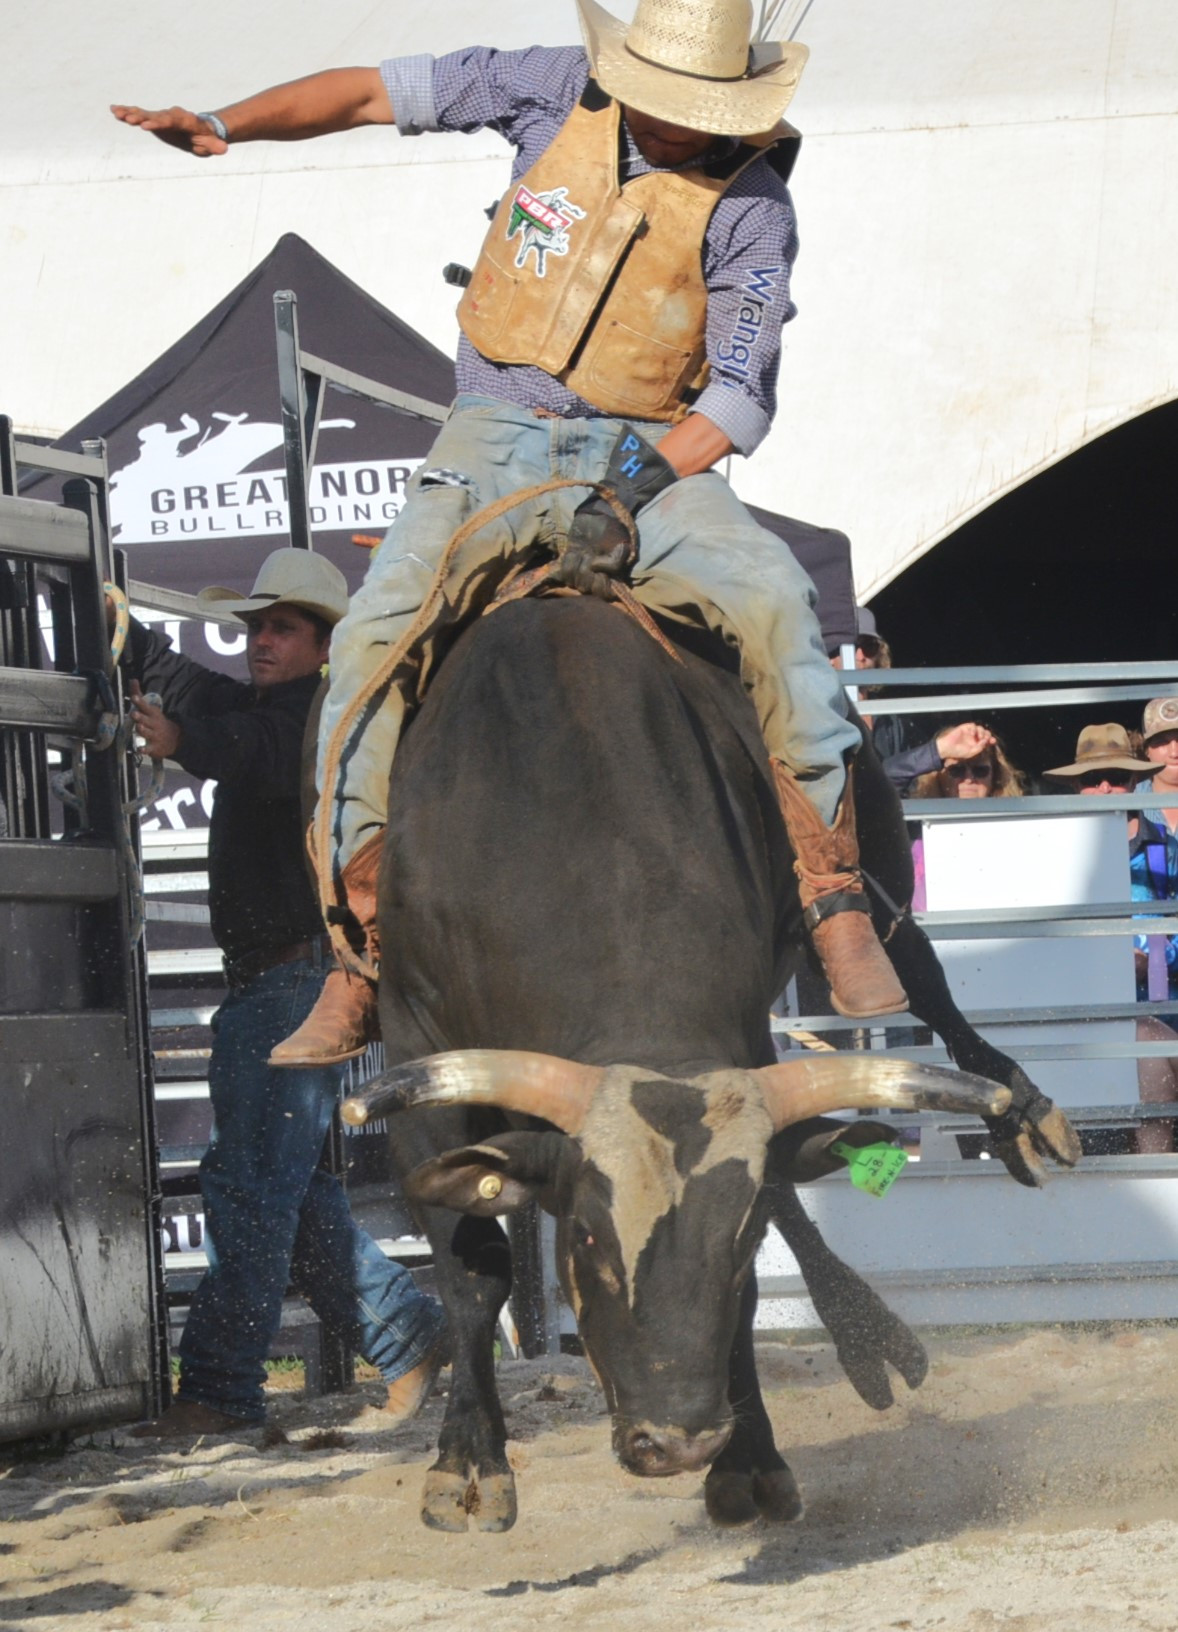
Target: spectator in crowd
[(899, 739), (985, 773), (890, 733), (1153, 872), (964, 744), (1106, 763), (973, 766), (273, 1215)]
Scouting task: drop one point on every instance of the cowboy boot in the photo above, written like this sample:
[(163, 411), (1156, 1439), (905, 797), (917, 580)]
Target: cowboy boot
[(344, 1020), (835, 911)]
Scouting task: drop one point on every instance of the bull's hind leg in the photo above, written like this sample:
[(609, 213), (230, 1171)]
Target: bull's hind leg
[(470, 1483), (749, 1479)]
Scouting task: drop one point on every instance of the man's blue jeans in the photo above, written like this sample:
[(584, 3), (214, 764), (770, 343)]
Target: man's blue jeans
[(274, 1217), (702, 560)]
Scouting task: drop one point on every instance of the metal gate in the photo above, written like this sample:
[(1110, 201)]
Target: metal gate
[(957, 1241), (80, 1290)]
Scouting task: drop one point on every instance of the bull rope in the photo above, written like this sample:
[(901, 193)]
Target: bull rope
[(319, 837)]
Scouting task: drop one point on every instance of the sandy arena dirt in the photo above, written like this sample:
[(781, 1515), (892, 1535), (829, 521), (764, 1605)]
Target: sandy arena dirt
[(1030, 1485)]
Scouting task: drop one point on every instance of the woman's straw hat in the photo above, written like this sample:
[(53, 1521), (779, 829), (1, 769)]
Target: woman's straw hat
[(693, 63)]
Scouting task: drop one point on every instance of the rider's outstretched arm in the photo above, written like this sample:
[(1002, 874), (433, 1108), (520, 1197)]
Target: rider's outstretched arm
[(336, 99)]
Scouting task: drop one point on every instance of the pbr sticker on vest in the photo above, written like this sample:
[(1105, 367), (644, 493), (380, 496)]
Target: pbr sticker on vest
[(542, 222)]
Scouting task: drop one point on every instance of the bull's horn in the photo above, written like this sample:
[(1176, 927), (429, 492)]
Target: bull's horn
[(797, 1089), (533, 1084)]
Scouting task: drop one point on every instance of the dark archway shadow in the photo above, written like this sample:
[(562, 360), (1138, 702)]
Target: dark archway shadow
[(1076, 566)]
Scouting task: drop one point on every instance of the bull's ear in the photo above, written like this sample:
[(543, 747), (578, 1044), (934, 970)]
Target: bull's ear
[(489, 1179), (801, 1152)]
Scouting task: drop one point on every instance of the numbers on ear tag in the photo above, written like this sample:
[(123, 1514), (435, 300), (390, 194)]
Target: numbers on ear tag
[(873, 1168)]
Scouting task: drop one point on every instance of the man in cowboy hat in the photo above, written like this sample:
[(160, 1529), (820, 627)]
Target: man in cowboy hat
[(621, 327), (272, 1214)]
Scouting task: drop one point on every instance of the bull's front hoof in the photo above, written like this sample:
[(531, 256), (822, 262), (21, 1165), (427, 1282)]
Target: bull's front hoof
[(446, 1501), (494, 1507), (452, 1501), (739, 1498), (777, 1496)]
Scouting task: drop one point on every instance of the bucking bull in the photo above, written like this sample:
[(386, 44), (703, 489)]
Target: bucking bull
[(585, 862)]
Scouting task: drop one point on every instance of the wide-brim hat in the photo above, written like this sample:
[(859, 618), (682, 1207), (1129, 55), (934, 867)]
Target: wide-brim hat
[(693, 63), (290, 577), (1103, 748), (1161, 714)]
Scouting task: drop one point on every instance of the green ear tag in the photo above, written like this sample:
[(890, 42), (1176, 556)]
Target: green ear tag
[(874, 1168)]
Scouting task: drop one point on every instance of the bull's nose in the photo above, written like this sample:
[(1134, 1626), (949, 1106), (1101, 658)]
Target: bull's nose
[(655, 1452)]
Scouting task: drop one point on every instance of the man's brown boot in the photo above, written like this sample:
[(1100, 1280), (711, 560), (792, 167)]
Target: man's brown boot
[(835, 909), (344, 1020)]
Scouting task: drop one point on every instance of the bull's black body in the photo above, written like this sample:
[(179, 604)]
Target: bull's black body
[(584, 854), (585, 858)]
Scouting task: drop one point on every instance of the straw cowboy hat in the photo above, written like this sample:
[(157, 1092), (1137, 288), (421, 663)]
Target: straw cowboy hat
[(293, 577), (693, 63), (1103, 748)]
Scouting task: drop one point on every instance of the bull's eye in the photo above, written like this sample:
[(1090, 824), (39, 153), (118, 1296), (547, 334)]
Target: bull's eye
[(583, 1235)]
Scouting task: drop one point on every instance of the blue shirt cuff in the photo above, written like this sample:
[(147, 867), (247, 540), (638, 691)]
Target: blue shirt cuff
[(743, 421), (410, 84)]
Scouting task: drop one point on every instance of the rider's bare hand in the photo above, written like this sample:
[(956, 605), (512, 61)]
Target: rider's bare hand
[(176, 126)]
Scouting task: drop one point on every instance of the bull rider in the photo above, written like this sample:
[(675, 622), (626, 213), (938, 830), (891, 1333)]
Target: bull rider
[(621, 329)]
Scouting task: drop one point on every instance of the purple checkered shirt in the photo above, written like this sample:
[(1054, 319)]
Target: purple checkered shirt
[(749, 248)]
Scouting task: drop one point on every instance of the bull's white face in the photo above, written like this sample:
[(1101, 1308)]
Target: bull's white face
[(658, 1228), (657, 1185)]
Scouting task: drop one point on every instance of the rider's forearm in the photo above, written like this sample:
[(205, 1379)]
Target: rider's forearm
[(336, 99), (694, 445)]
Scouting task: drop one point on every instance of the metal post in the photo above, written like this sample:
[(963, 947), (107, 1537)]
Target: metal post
[(293, 397), (7, 457)]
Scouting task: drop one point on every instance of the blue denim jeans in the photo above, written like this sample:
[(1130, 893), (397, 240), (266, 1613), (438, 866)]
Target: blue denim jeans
[(274, 1217), (702, 560)]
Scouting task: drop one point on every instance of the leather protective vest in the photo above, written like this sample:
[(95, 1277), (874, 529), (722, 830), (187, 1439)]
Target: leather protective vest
[(601, 285)]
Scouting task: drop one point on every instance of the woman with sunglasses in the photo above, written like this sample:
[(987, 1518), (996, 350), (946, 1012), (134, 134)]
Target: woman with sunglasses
[(986, 774), (1106, 763), (898, 739), (973, 765)]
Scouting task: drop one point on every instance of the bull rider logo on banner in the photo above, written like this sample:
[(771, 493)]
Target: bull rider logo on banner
[(195, 483)]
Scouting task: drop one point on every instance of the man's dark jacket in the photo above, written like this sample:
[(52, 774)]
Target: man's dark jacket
[(251, 742)]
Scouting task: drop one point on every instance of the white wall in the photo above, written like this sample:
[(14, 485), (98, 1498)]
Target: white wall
[(986, 280)]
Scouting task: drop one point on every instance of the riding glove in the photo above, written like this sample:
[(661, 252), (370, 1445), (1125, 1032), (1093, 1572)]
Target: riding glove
[(599, 547)]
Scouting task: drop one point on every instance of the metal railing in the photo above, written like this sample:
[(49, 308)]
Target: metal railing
[(1026, 686), (303, 382)]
